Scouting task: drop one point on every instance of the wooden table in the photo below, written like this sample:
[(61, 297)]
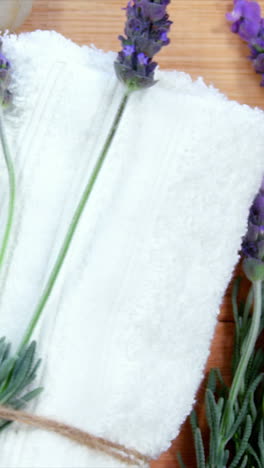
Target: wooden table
[(201, 44)]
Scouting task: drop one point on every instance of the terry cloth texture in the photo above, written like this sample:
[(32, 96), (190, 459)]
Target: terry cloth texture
[(126, 333)]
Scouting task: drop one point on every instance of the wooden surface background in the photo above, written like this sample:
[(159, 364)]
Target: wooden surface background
[(201, 44)]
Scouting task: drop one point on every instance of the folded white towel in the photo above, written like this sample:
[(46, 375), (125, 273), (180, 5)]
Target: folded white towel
[(126, 333)]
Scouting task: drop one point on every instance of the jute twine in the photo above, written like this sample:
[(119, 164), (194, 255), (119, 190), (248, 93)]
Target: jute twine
[(117, 451)]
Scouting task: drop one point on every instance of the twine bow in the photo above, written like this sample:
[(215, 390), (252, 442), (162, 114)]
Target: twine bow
[(117, 451)]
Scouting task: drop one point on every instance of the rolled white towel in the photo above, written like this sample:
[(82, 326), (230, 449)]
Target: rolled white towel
[(125, 335)]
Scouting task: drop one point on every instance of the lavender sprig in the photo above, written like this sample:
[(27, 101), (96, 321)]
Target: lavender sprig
[(146, 32), (249, 25), (18, 371), (5, 77), (5, 100), (146, 28), (253, 242), (234, 414)]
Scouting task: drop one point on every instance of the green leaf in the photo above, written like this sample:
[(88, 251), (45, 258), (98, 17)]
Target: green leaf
[(261, 440), (255, 366), (220, 406), (226, 457), (180, 460), (252, 452), (213, 418), (33, 372), (248, 307), (220, 377), (248, 371), (4, 424), (193, 422), (199, 448), (5, 351), (234, 296), (244, 408), (2, 349), (24, 362), (228, 417), (252, 407), (262, 319), (211, 382), (5, 370), (243, 444), (31, 395), (223, 390), (21, 372), (20, 402), (17, 373), (244, 462), (236, 356)]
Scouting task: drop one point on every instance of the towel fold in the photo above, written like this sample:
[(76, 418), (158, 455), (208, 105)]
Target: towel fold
[(126, 332)]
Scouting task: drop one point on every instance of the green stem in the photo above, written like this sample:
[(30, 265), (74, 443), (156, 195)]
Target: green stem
[(250, 343), (73, 225), (12, 191), (248, 305)]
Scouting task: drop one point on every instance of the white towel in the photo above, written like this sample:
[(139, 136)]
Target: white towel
[(126, 333)]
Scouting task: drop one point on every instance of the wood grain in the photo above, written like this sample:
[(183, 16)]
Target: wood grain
[(201, 44)]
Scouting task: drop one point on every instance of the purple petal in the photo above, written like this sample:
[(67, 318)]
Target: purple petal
[(251, 11), (248, 30), (259, 63), (128, 50), (235, 15), (142, 59), (235, 26), (154, 11), (146, 32)]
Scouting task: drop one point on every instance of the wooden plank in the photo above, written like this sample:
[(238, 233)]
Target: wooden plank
[(201, 44)]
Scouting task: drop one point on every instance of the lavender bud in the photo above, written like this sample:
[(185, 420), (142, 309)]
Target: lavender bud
[(5, 95), (253, 242), (146, 32), (249, 25), (246, 19), (259, 63)]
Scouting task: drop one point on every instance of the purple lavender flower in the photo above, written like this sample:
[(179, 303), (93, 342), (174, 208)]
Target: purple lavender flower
[(248, 24), (253, 242), (259, 65), (146, 32), (5, 95), (246, 18)]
